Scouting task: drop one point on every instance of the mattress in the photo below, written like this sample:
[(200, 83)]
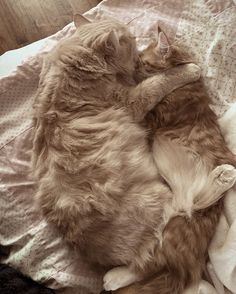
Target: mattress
[(208, 27)]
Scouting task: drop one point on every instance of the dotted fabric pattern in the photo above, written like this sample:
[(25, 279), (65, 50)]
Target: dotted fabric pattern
[(211, 35), (207, 26), (17, 91), (37, 248), (16, 108)]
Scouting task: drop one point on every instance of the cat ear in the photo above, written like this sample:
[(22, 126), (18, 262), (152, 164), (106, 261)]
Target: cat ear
[(80, 20), (110, 43), (163, 44)]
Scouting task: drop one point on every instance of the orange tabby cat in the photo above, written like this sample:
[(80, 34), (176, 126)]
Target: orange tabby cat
[(184, 118)]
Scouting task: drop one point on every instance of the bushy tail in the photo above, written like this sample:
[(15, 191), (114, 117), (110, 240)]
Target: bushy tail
[(164, 283), (181, 258)]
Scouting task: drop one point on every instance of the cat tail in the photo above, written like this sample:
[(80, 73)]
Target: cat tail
[(164, 283), (180, 258), (194, 187)]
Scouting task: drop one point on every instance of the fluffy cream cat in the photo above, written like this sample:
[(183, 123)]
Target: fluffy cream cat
[(97, 180)]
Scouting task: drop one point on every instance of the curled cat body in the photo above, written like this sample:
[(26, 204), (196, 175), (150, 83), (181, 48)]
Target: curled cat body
[(97, 179), (183, 119)]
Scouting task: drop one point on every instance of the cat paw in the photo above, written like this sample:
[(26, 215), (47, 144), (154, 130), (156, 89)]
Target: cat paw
[(119, 277), (193, 70), (225, 175)]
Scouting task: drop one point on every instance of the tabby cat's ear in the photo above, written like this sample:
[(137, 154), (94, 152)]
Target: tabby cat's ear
[(163, 45), (80, 20)]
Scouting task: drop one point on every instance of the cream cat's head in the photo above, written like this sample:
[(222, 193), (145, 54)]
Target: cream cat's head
[(112, 40)]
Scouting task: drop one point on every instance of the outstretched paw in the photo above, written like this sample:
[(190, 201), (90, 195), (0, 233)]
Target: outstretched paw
[(225, 175), (119, 277)]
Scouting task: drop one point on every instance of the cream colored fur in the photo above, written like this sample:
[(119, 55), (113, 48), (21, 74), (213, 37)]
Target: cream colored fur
[(97, 180), (195, 187)]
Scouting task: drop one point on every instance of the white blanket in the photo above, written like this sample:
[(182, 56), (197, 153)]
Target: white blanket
[(209, 28)]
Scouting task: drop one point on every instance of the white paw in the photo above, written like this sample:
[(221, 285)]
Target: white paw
[(194, 70), (225, 175), (119, 277)]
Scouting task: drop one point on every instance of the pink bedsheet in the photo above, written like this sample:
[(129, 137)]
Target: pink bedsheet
[(209, 28)]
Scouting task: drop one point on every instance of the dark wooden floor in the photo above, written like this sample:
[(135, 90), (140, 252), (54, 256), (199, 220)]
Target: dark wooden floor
[(25, 21)]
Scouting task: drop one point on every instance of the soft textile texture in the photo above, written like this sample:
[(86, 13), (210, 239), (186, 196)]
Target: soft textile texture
[(209, 28)]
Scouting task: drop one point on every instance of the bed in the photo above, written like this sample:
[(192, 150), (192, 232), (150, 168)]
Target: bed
[(209, 28)]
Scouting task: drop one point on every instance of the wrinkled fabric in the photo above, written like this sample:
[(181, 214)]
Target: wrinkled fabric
[(208, 27)]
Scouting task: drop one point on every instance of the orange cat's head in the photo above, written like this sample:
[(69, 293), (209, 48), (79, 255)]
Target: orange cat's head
[(160, 55)]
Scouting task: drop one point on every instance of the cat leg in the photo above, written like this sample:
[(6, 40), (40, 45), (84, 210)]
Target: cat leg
[(220, 180), (119, 277), (148, 93)]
